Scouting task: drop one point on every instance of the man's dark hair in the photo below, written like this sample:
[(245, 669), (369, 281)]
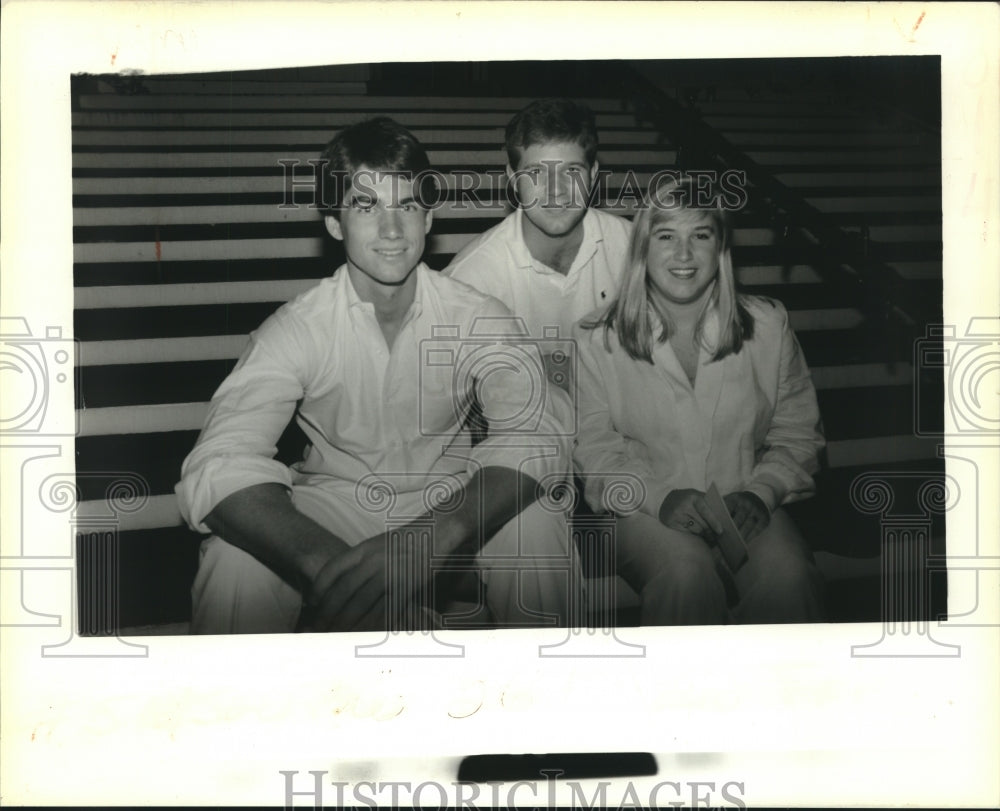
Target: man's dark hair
[(548, 120), (379, 144)]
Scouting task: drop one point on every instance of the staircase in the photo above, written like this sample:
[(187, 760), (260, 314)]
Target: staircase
[(189, 230)]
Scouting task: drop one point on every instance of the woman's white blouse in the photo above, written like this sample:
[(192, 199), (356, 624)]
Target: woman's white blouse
[(751, 421)]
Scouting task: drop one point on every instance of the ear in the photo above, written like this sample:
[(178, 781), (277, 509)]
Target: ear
[(510, 171), (428, 219), (333, 226)]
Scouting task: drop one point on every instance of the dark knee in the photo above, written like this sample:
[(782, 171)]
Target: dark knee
[(684, 572)]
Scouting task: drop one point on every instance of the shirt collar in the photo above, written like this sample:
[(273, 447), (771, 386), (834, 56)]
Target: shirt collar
[(588, 247), (354, 300)]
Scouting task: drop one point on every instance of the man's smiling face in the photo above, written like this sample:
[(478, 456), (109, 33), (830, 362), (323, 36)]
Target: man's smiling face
[(553, 181), (382, 226)]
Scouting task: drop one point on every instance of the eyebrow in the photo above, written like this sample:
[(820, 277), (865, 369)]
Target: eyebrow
[(374, 199), (549, 162), (666, 227)]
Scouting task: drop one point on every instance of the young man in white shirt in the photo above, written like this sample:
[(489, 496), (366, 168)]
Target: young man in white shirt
[(391, 489), (554, 259)]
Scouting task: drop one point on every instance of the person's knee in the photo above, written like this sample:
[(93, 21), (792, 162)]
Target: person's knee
[(221, 560), (799, 580), (531, 570), (233, 592), (690, 571), (784, 568), (534, 532), (786, 589), (684, 591)]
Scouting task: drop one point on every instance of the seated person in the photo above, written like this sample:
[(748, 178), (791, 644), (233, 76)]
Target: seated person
[(684, 382), (554, 259), (390, 488)]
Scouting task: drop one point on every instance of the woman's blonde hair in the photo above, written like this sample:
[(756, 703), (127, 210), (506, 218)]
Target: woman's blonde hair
[(632, 314)]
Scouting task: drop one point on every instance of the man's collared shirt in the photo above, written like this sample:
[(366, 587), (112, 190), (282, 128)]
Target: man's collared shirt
[(499, 263), (368, 410)]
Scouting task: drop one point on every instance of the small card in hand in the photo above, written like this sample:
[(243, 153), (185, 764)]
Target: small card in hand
[(734, 548)]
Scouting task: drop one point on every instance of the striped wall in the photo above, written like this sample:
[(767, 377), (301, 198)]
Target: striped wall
[(188, 233)]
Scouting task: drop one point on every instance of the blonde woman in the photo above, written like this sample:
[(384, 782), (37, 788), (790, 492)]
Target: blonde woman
[(684, 383)]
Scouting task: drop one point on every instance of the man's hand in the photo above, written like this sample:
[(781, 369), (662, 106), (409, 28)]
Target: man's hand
[(749, 513), (687, 510), (351, 591)]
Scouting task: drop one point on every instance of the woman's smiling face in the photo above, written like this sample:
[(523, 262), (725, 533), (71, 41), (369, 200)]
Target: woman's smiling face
[(683, 257)]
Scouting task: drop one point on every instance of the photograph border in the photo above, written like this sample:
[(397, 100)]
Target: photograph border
[(788, 712)]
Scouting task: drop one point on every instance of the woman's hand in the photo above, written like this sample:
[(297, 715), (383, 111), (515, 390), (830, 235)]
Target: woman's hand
[(749, 513), (687, 511)]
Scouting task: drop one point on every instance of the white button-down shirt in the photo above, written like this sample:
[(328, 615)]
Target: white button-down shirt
[(365, 409), (750, 422), (499, 263)]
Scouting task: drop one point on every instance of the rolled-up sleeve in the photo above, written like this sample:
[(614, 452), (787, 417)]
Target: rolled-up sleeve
[(247, 415), (790, 454), (614, 478), (530, 422)]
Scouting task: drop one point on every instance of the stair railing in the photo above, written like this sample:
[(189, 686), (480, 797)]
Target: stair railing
[(843, 259)]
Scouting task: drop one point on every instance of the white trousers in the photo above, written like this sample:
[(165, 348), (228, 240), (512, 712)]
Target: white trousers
[(530, 569)]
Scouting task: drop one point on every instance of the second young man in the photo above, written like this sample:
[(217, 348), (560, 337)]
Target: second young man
[(554, 259)]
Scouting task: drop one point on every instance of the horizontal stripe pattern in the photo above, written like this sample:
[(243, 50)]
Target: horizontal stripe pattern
[(186, 293), (276, 179), (215, 347), (176, 159), (182, 247), (843, 211), (136, 419), (333, 120), (762, 121), (315, 137), (366, 105), (229, 249), (162, 511)]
